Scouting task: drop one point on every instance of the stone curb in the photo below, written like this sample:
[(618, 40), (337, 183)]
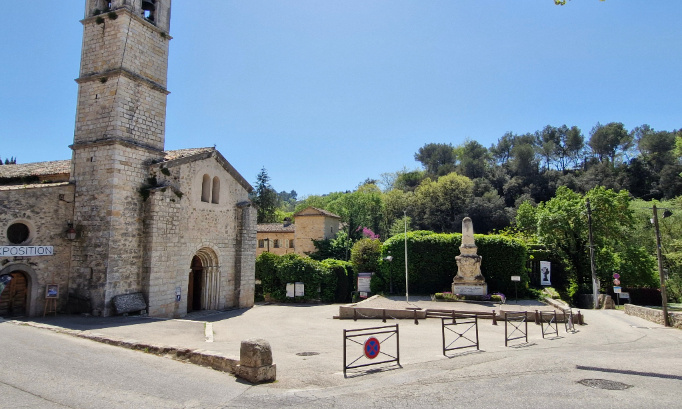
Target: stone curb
[(214, 360)]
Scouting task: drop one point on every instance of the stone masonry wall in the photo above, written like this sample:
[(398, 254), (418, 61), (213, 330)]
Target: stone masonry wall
[(316, 227), (108, 257), (40, 208), (178, 228), (122, 85), (654, 315)]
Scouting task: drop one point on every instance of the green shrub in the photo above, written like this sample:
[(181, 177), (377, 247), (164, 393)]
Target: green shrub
[(343, 279), (365, 255), (275, 272), (432, 264)]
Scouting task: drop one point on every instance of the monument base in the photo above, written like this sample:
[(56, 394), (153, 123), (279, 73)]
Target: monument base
[(470, 289)]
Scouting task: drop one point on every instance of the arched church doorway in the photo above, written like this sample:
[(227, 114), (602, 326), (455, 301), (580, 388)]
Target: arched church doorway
[(14, 298), (203, 287), (195, 285)]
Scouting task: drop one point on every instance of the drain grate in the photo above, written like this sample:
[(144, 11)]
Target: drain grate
[(307, 353), (604, 384)]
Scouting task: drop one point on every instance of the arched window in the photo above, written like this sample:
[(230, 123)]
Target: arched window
[(215, 195), (206, 189)]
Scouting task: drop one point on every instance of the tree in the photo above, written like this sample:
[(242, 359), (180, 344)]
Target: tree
[(657, 148), (610, 141), (365, 255), (562, 226), (440, 205), (473, 159), (437, 158), (265, 198), (10, 161)]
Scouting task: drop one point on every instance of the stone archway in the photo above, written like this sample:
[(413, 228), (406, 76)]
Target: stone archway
[(203, 292)]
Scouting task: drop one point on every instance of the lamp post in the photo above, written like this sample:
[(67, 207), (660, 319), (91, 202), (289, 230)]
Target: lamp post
[(389, 258), (407, 297)]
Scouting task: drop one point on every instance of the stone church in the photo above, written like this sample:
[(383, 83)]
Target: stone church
[(124, 216)]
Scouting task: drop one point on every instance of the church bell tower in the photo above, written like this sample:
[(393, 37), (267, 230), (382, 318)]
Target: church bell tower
[(119, 132)]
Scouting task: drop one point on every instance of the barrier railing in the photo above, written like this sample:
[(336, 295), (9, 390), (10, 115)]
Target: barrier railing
[(372, 346), (548, 323), (568, 320), (460, 325), (519, 323), (433, 313)]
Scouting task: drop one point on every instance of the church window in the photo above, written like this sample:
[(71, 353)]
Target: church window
[(215, 195), (18, 233), (206, 189), (261, 243), (291, 244), (276, 243)]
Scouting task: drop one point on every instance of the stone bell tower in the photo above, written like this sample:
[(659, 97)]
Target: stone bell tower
[(119, 131)]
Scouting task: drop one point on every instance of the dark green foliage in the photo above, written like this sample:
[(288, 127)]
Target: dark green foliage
[(265, 198), (365, 255), (337, 248), (343, 278), (275, 272), (432, 264), (165, 171)]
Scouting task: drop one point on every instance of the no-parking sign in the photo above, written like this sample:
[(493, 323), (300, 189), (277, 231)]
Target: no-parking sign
[(372, 347)]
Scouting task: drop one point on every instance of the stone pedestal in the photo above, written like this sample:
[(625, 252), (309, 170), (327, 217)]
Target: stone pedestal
[(469, 280), (255, 361)]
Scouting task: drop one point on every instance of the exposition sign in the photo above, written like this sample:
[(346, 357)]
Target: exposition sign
[(26, 251)]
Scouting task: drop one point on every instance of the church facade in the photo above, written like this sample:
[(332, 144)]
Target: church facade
[(124, 216)]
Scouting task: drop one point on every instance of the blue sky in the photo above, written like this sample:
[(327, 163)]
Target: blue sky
[(325, 94)]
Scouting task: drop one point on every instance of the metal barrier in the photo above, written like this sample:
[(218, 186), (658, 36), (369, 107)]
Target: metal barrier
[(433, 313), (548, 323), (371, 347), (568, 321), (520, 324), (468, 320)]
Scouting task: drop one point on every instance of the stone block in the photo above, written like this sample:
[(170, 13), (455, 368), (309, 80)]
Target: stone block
[(255, 352), (255, 361), (129, 303), (257, 375)]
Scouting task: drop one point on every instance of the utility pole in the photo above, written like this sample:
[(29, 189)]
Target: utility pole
[(664, 295), (595, 287)]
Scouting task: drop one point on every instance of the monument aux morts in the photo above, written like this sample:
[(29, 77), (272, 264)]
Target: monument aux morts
[(469, 280), (124, 216)]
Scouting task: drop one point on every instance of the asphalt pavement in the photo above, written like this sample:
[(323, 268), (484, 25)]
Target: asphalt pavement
[(308, 349)]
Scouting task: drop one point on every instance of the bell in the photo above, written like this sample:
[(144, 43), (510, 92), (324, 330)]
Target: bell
[(148, 5)]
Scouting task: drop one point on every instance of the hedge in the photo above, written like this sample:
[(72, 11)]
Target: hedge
[(432, 265), (327, 281)]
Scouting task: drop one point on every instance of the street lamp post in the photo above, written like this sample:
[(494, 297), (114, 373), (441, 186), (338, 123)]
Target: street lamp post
[(407, 297), (389, 258)]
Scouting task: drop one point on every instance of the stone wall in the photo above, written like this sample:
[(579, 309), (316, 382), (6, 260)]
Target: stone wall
[(309, 227), (108, 256), (654, 315), (179, 226), (46, 212)]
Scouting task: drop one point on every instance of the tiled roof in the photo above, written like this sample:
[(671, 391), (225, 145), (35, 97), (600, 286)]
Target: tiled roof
[(33, 186), (55, 167), (183, 153), (275, 228), (321, 211)]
